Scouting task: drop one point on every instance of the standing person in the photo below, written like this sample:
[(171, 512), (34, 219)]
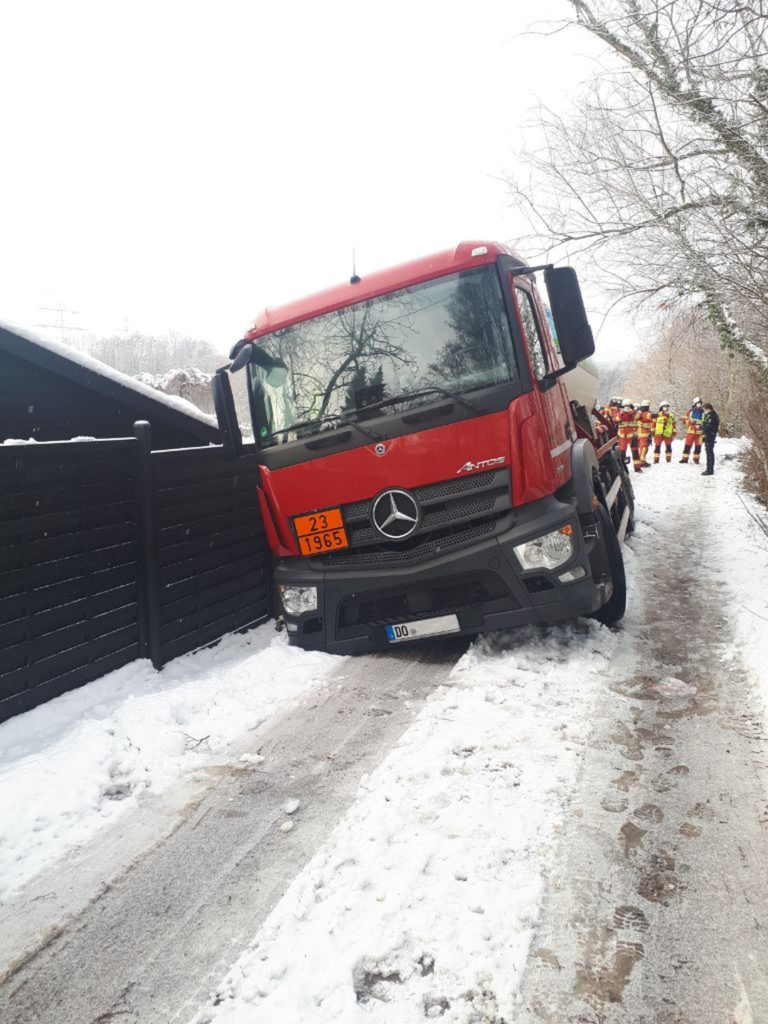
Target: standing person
[(645, 426), (710, 425), (664, 433), (692, 421), (614, 410), (627, 427)]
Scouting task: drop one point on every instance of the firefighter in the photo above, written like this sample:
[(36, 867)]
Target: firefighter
[(646, 423), (693, 435), (664, 433), (627, 428), (605, 411)]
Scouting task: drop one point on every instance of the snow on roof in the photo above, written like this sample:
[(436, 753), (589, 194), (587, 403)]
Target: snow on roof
[(180, 405)]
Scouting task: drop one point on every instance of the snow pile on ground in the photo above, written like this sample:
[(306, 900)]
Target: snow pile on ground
[(423, 902), (73, 765)]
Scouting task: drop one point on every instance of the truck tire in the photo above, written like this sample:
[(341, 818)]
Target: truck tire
[(614, 608)]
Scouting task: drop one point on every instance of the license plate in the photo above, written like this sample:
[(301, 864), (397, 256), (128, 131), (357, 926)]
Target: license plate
[(425, 627), (321, 532)]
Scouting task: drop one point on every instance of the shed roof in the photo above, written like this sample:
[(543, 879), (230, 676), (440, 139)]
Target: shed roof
[(88, 372)]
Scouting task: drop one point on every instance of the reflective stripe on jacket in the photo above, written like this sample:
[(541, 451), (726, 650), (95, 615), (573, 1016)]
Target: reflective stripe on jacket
[(627, 424), (645, 423)]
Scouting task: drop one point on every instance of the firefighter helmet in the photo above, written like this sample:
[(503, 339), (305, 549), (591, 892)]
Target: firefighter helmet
[(664, 405), (645, 404), (626, 404), (697, 401)]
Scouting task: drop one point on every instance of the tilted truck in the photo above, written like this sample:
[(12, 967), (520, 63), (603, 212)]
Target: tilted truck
[(424, 470)]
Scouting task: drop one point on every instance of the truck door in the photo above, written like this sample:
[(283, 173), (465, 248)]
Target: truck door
[(552, 394)]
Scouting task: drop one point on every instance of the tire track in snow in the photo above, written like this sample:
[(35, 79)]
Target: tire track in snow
[(657, 909), (151, 945)]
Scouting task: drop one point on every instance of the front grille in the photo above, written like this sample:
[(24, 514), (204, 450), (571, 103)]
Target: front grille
[(440, 597), (453, 514)]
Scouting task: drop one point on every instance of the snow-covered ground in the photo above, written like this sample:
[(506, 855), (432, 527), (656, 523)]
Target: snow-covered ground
[(740, 560), (75, 764), (424, 901)]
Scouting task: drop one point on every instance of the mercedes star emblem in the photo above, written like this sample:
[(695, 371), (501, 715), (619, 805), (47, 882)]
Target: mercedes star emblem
[(395, 514)]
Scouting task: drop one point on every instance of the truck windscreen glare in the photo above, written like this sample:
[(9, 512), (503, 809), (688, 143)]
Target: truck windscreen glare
[(450, 334)]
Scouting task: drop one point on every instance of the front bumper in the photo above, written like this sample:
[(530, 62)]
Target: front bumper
[(482, 584)]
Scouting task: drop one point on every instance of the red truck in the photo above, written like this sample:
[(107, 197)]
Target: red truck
[(424, 470)]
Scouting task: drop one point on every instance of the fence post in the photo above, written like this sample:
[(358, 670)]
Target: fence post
[(149, 577)]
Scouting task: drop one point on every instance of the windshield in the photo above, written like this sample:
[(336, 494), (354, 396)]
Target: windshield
[(446, 335)]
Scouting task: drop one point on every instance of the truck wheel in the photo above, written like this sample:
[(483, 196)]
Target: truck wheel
[(614, 608)]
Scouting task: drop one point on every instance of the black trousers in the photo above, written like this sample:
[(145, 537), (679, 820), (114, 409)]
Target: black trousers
[(710, 449)]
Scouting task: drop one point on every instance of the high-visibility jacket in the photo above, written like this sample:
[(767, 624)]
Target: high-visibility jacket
[(665, 425), (645, 423)]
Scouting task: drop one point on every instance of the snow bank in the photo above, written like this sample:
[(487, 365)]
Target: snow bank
[(96, 366), (424, 900), (75, 764)]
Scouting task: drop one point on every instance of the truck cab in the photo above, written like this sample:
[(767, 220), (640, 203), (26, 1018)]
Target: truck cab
[(422, 471)]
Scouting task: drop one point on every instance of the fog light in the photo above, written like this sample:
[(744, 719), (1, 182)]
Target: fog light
[(573, 574), (298, 599), (546, 552)]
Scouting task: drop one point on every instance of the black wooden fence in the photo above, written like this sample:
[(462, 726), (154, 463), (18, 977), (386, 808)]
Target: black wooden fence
[(110, 552)]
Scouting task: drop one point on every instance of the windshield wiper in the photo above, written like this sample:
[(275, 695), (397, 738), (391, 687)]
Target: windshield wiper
[(421, 394), (326, 419), (344, 419)]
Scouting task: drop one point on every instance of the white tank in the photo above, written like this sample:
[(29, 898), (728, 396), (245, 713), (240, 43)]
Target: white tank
[(581, 383)]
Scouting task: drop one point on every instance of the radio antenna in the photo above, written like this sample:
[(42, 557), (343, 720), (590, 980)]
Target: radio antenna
[(354, 279)]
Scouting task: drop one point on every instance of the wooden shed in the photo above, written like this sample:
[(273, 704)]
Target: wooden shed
[(50, 392)]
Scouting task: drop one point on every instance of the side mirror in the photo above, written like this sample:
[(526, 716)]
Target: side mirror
[(247, 352), (571, 324), (224, 404)]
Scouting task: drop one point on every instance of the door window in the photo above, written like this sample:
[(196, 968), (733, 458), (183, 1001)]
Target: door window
[(533, 335)]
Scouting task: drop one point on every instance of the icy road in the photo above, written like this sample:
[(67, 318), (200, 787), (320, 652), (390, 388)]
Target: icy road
[(564, 825)]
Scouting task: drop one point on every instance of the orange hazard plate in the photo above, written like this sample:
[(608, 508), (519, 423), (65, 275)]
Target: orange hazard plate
[(321, 532)]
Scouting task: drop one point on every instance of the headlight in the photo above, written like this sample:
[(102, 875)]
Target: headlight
[(546, 552), (298, 599)]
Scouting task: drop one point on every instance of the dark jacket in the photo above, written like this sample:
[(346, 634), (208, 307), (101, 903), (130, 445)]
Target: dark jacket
[(710, 426)]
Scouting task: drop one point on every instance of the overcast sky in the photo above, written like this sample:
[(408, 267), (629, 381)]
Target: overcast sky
[(182, 165)]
